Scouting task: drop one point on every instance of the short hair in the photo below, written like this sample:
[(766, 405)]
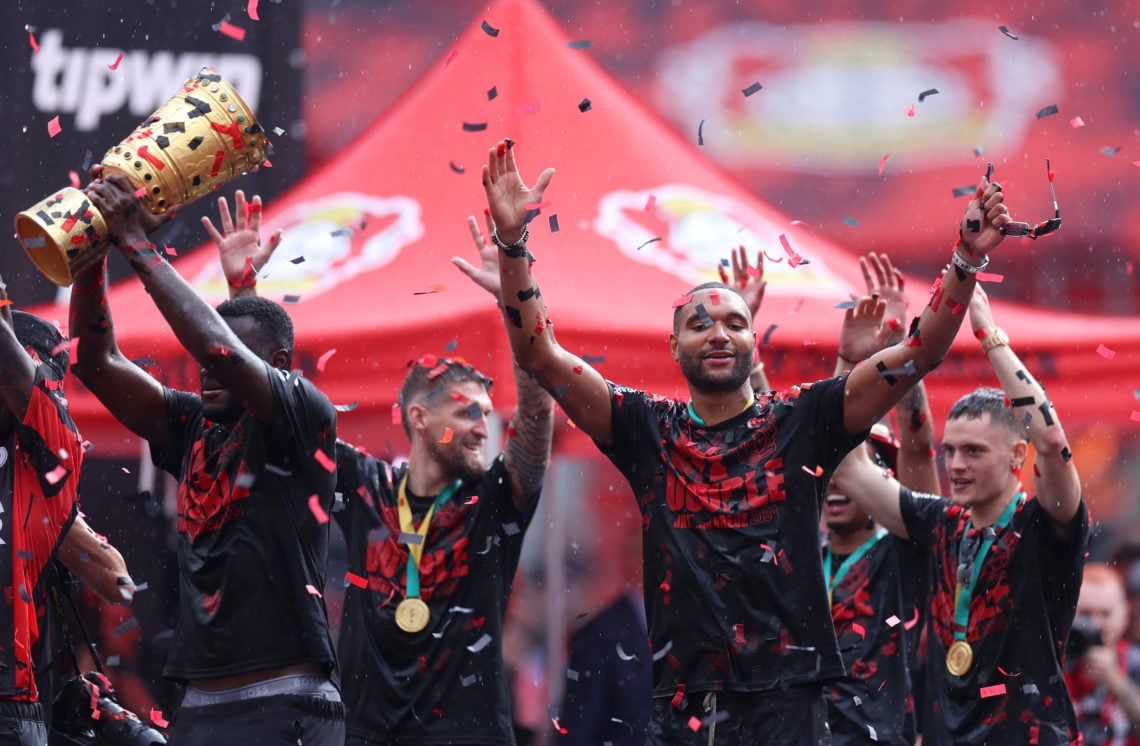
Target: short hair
[(429, 376), (45, 340), (1098, 572), (270, 318), (987, 400), (703, 286)]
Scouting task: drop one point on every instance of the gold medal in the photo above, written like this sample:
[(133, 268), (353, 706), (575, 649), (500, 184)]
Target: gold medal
[(959, 657), (412, 615)]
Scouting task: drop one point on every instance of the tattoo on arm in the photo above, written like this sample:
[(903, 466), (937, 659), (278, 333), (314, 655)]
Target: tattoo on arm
[(528, 446)]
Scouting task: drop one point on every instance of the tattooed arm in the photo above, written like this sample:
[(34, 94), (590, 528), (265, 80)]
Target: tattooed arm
[(202, 332), (531, 427), (1057, 484)]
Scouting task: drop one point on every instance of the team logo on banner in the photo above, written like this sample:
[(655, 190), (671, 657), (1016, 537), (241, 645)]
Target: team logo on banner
[(688, 231), (327, 241)]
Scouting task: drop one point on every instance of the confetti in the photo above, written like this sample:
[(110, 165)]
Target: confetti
[(354, 405), (1076, 122), (456, 168), (156, 715), (251, 10), (316, 509), (553, 223), (115, 65), (489, 29), (355, 580), (642, 246), (754, 88), (851, 222), (1005, 30), (53, 126), (817, 472), (1110, 151), (479, 644), (447, 435), (682, 300), (893, 621), (883, 163), (56, 475), (324, 460), (701, 133), (989, 277), (1105, 352), (909, 111), (234, 32), (694, 723), (126, 626), (474, 126), (993, 691), (928, 92), (1048, 111), (584, 105), (581, 44), (313, 591), (964, 191), (32, 39), (767, 335), (846, 305), (324, 359), (794, 259)]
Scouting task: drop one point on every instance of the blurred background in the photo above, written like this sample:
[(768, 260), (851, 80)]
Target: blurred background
[(870, 114)]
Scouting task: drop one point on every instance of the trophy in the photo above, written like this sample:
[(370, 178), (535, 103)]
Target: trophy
[(203, 137)]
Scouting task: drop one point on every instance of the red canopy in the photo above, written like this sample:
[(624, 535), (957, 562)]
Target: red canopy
[(640, 216)]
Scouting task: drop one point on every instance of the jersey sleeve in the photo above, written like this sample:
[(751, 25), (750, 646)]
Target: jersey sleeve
[(183, 420), (629, 409), (1062, 558), (824, 400), (304, 420), (920, 512)]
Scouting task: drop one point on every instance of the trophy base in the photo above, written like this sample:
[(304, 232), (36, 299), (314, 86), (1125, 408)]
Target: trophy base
[(63, 235)]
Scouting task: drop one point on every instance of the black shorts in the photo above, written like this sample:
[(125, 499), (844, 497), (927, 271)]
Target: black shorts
[(22, 724), (796, 716), (280, 719)]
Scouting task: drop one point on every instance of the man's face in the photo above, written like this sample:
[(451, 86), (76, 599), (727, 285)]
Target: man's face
[(980, 457), (714, 341), (455, 429), (840, 513), (218, 405), (1104, 606)]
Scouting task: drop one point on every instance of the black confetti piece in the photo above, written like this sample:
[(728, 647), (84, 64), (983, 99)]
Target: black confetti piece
[(701, 133), (594, 359), (1005, 30), (967, 190), (492, 93), (1048, 111), (585, 105), (1044, 409), (580, 44), (474, 411), (706, 320), (1111, 151), (754, 88), (851, 222), (642, 246), (553, 223), (456, 167), (928, 92), (126, 626), (1066, 454), (474, 126), (491, 30), (291, 299), (1023, 376), (882, 368), (845, 305), (1023, 401), (297, 260), (767, 335)]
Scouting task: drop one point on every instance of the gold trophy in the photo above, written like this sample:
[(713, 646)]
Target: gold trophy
[(203, 137)]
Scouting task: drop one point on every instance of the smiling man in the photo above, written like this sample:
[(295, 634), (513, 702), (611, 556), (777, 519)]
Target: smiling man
[(1004, 568), (729, 483)]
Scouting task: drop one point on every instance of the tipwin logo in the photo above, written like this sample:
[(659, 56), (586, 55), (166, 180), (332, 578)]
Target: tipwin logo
[(688, 231), (325, 242), (80, 81)]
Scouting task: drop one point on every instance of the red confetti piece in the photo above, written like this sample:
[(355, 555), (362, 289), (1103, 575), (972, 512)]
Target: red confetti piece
[(537, 205), (682, 300), (472, 500), (651, 203), (316, 509), (450, 57), (232, 31), (115, 65), (447, 435), (157, 718), (817, 473), (55, 475), (324, 460), (251, 10), (990, 277), (858, 628), (313, 591), (1105, 352), (1129, 268), (993, 691), (1076, 122), (794, 259), (32, 40), (694, 723), (739, 628), (140, 192), (885, 158), (324, 359), (356, 580), (558, 727), (1007, 673), (578, 370), (53, 126), (170, 250), (73, 177), (909, 111)]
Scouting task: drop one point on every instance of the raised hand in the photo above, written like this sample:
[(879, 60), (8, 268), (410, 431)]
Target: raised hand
[(885, 281), (863, 332), (507, 195), (239, 242), (981, 315), (486, 275), (982, 222), (751, 288)]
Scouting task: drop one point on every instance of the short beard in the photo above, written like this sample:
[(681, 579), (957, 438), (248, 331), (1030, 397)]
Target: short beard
[(703, 382), (465, 469)]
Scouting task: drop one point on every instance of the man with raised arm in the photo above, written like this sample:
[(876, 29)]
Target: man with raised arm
[(254, 457), (432, 546), (729, 483), (874, 579), (1004, 568)]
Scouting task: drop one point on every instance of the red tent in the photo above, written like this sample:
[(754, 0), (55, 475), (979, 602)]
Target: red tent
[(634, 216)]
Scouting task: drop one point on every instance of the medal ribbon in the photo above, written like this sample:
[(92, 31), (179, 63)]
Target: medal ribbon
[(407, 526), (698, 421), (964, 593), (833, 583)]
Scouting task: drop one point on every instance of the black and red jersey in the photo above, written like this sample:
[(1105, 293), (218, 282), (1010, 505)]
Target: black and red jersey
[(734, 590), (253, 510), (878, 608), (1020, 614), (445, 684), (39, 473)]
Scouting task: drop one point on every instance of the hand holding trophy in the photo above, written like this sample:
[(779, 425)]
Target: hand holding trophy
[(203, 137)]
